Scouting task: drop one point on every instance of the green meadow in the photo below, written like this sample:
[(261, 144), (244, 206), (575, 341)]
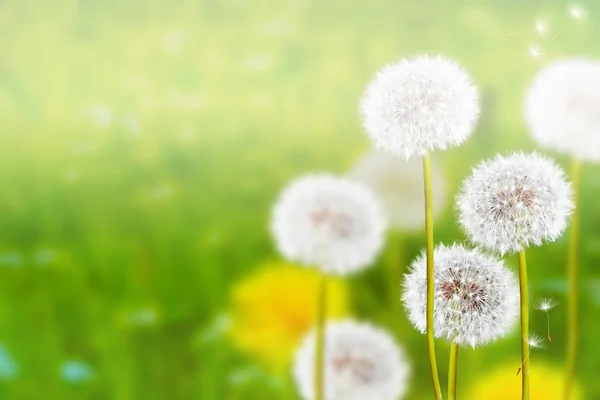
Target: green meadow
[(142, 144)]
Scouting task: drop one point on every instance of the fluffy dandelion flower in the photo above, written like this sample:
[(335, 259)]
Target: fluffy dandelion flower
[(417, 105), (361, 362), (501, 383), (561, 108), (515, 201), (399, 185), (476, 296), (332, 223), (273, 308)]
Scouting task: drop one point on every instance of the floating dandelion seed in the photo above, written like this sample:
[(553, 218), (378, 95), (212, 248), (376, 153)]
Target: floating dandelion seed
[(576, 12), (536, 51), (545, 304), (540, 27), (534, 342)]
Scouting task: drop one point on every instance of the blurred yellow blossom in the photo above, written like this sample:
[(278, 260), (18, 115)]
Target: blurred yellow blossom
[(502, 383), (274, 307)]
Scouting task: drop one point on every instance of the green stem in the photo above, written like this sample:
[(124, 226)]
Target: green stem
[(320, 339), (452, 371), (572, 273), (430, 283), (524, 324)]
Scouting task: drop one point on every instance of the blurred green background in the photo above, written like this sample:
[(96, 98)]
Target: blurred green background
[(142, 144)]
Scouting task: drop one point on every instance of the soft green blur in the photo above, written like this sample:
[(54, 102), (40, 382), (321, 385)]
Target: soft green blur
[(143, 142)]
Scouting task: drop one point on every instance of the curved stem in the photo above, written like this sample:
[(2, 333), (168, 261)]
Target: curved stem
[(429, 240), (452, 371), (320, 339), (524, 324), (572, 274)]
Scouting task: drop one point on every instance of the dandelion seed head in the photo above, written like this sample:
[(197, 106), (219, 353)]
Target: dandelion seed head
[(561, 108), (360, 362), (399, 185), (512, 202), (417, 105), (335, 224), (545, 303), (476, 296)]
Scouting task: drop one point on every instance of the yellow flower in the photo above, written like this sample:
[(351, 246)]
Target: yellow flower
[(274, 308), (547, 383)]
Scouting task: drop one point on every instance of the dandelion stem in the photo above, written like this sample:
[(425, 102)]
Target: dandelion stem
[(320, 339), (524, 323), (572, 273), (452, 371), (429, 240)]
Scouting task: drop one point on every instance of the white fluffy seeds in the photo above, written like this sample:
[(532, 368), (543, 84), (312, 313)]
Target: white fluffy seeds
[(361, 362), (399, 185), (561, 108), (418, 105), (332, 223), (476, 296), (512, 202)]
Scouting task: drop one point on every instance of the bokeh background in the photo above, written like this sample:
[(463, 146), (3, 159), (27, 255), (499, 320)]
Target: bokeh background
[(143, 142)]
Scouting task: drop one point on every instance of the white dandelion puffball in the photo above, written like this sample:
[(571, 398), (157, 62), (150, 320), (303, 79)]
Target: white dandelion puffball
[(512, 202), (417, 105), (476, 296), (562, 108), (399, 185), (332, 223), (360, 362)]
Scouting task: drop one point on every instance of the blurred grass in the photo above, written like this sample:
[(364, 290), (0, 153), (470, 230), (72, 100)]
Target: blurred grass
[(232, 99)]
